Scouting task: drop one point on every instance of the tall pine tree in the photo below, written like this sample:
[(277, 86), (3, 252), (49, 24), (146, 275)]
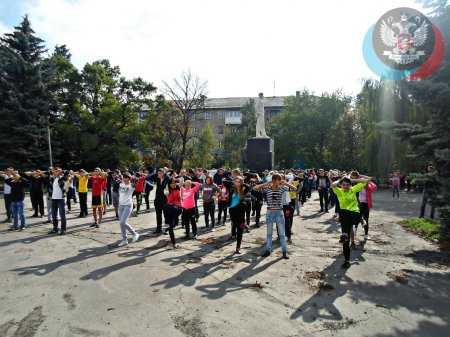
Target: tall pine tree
[(25, 100)]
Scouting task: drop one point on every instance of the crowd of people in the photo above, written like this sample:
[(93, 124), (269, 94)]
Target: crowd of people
[(178, 195)]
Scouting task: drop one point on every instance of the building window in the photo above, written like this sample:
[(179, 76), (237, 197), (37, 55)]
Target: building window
[(208, 115), (221, 115), (233, 114)]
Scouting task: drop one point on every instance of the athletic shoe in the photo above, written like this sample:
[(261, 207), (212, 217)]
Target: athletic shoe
[(195, 237), (213, 229), (289, 241), (237, 251), (135, 237), (93, 225), (62, 232), (266, 254), (343, 238), (53, 231), (285, 256), (122, 243), (97, 225), (346, 265), (366, 237)]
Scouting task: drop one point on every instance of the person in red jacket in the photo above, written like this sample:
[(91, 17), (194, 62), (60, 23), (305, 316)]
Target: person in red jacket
[(139, 189), (172, 209), (98, 180)]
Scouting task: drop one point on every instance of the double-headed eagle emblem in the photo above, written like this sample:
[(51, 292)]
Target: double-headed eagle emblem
[(404, 37)]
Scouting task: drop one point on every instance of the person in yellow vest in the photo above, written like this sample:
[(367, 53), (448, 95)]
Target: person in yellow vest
[(83, 179)]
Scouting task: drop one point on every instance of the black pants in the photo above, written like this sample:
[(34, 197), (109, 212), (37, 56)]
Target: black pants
[(109, 196), (138, 200), (288, 212), (364, 211), (188, 218), (223, 207), (83, 203), (237, 215), (248, 211), (348, 220), (159, 207), (37, 201), (58, 206), (332, 199), (425, 201), (323, 197), (8, 205), (257, 205), (69, 196), (171, 216), (147, 198), (209, 209)]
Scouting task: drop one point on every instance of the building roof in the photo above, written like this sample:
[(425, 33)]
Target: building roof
[(239, 102)]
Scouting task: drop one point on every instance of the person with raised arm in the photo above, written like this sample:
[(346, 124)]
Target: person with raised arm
[(188, 192), (349, 209), (126, 190), (274, 194), (18, 185)]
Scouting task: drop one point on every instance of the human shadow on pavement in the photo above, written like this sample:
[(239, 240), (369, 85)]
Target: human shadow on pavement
[(322, 303), (430, 257), (35, 238), (83, 254), (424, 293), (139, 257)]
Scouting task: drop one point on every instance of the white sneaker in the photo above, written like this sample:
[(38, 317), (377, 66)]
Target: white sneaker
[(195, 237), (123, 243), (213, 229), (135, 237), (366, 237)]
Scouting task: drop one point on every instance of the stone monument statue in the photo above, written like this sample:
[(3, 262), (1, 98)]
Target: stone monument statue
[(260, 117), (259, 152)]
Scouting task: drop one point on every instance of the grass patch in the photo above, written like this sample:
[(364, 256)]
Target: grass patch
[(426, 228)]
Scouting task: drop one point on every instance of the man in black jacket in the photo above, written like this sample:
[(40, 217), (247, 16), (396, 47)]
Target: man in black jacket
[(160, 181), (323, 186), (37, 181), (56, 190), (18, 185)]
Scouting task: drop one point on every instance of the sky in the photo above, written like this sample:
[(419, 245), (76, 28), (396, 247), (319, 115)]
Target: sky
[(240, 47)]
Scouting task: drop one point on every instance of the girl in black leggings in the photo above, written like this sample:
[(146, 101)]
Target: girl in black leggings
[(238, 206), (172, 209)]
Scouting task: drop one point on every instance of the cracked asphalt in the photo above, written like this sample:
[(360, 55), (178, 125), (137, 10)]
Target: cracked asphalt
[(83, 285)]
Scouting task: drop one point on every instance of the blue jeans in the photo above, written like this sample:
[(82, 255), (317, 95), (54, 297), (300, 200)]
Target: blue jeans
[(17, 211), (275, 216)]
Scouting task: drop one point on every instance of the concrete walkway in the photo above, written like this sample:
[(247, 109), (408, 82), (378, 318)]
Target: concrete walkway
[(83, 285)]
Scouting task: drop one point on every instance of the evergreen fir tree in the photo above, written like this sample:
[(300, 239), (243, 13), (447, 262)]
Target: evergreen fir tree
[(25, 102)]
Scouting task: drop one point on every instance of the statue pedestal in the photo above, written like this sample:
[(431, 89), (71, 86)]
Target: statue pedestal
[(259, 154)]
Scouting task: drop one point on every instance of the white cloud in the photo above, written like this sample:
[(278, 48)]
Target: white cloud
[(240, 47), (3, 29)]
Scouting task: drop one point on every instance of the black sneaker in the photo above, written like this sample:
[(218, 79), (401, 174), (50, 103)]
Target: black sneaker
[(157, 231), (346, 265), (285, 256), (93, 225), (265, 254), (97, 225), (53, 231), (62, 232)]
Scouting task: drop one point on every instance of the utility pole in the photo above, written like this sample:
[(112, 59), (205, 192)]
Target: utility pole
[(49, 138)]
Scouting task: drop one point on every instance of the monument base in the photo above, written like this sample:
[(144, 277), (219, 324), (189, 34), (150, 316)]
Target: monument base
[(259, 154)]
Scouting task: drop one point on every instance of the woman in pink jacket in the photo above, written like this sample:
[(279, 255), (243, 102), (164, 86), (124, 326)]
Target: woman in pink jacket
[(188, 192)]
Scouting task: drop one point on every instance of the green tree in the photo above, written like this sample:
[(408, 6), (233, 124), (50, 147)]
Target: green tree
[(204, 146), (25, 98), (431, 142)]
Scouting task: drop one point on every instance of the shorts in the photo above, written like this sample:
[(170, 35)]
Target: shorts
[(97, 201), (115, 199)]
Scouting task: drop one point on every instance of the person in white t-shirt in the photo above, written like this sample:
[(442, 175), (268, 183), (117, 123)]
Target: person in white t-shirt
[(7, 195), (126, 189)]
